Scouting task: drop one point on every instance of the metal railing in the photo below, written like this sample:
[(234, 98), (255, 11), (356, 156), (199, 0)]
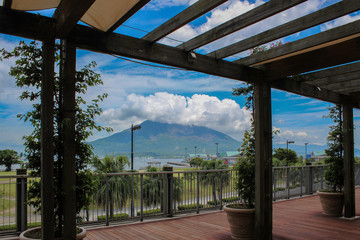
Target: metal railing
[(134, 196)]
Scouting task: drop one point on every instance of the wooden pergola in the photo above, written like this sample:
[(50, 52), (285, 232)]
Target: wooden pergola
[(330, 56)]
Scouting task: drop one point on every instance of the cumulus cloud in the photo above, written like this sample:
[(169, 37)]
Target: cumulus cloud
[(223, 115), (300, 136)]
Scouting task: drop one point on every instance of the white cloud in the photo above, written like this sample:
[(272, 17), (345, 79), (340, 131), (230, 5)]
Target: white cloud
[(233, 9), (339, 22), (159, 4), (202, 110), (300, 136)]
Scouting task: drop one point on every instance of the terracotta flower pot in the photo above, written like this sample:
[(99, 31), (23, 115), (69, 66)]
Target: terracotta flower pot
[(79, 236), (242, 222), (332, 203)]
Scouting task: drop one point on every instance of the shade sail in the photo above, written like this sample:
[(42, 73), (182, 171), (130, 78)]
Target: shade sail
[(102, 15)]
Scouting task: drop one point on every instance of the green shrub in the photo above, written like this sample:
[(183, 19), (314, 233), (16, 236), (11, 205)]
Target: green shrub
[(150, 212), (279, 189), (231, 199), (189, 206), (116, 216)]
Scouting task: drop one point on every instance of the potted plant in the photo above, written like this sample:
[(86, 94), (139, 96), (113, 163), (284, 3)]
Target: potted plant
[(241, 216), (332, 199)]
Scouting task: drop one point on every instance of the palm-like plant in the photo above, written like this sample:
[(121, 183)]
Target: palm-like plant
[(121, 188), (215, 179)]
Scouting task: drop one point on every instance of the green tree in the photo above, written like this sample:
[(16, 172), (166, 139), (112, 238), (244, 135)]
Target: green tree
[(196, 162), (121, 188), (153, 191), (334, 173), (287, 156), (28, 74), (215, 179), (8, 158)]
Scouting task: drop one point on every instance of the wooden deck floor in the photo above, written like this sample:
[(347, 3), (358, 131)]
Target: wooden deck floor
[(293, 219)]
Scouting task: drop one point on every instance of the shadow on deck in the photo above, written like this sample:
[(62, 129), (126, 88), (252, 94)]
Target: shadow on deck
[(293, 219)]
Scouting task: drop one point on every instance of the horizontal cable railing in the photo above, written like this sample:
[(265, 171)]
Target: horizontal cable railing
[(135, 196)]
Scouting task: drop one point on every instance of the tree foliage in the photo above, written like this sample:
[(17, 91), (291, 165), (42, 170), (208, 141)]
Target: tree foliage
[(121, 188), (334, 173), (8, 158), (196, 162), (28, 74), (287, 156)]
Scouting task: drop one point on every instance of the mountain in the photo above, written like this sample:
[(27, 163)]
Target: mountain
[(156, 139)]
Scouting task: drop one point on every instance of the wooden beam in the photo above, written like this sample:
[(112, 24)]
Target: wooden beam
[(47, 134), (131, 12), (311, 43), (7, 4), (337, 54), (349, 162), (68, 13), (348, 90), (253, 16), (69, 182), (33, 26), (23, 24), (323, 15), (263, 160), (307, 90), (355, 83), (191, 13), (93, 40), (324, 76)]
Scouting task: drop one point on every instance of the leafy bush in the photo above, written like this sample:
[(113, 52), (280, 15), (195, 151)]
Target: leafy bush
[(116, 216), (189, 206), (150, 212)]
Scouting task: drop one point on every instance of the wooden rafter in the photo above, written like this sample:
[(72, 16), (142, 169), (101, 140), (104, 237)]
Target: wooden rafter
[(323, 15), (332, 72), (317, 41), (68, 14), (131, 12), (337, 54), (253, 16), (194, 11), (331, 79)]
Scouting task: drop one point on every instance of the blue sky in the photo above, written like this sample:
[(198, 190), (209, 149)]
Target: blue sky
[(139, 92)]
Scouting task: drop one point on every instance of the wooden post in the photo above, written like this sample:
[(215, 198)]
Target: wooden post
[(263, 160), (47, 139), (69, 179), (349, 178)]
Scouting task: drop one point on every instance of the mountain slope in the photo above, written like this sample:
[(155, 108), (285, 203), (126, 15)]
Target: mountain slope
[(165, 140)]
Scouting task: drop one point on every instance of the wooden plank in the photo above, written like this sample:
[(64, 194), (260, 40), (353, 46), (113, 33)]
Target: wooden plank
[(47, 134), (323, 15), (253, 16), (191, 13), (131, 12), (295, 219), (311, 43), (263, 160), (69, 182), (68, 14), (23, 24), (349, 161), (337, 54), (349, 91)]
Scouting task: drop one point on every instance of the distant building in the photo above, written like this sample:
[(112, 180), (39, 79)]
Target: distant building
[(318, 155)]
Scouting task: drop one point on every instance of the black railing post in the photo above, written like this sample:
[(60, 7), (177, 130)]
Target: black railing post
[(141, 197), (21, 213), (288, 181), (107, 201), (197, 192), (168, 191), (221, 196)]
